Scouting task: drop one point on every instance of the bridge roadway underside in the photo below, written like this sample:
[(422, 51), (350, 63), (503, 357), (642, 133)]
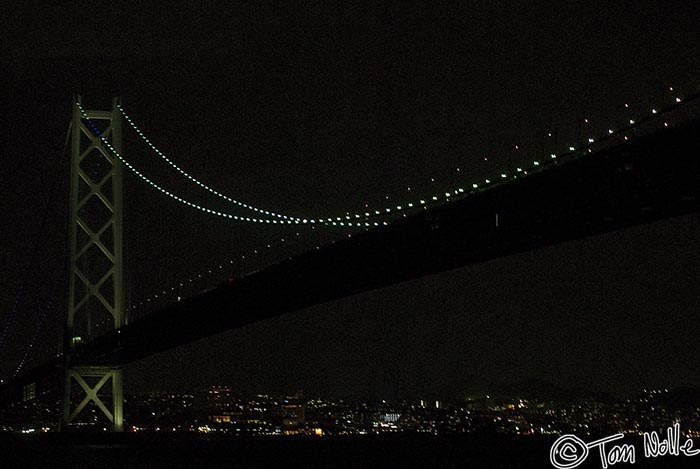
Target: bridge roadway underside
[(646, 179)]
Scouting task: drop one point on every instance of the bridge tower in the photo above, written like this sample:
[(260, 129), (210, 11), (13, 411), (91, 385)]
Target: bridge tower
[(93, 391)]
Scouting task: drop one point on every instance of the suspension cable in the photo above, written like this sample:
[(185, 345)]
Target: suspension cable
[(26, 279), (205, 209), (536, 165)]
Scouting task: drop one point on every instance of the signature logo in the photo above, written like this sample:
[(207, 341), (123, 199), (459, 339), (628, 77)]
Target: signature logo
[(569, 451)]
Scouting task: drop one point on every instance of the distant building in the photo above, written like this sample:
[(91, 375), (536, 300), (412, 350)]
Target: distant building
[(293, 411), (215, 405)]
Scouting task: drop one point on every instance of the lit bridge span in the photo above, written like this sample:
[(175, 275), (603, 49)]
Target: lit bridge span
[(646, 179)]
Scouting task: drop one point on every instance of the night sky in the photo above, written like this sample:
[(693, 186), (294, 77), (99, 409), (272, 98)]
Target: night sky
[(321, 109)]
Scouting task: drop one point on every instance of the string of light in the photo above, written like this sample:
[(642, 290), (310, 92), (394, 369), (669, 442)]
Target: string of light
[(247, 256), (443, 196), (256, 209), (12, 315), (205, 209), (27, 282), (197, 181), (368, 214), (32, 342)]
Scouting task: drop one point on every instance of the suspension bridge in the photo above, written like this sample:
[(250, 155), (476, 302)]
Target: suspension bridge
[(605, 184)]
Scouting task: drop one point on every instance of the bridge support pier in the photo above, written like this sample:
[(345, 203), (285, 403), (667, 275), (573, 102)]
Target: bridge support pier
[(113, 409), (95, 285)]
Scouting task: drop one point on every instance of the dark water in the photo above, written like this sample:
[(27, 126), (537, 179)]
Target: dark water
[(186, 451)]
